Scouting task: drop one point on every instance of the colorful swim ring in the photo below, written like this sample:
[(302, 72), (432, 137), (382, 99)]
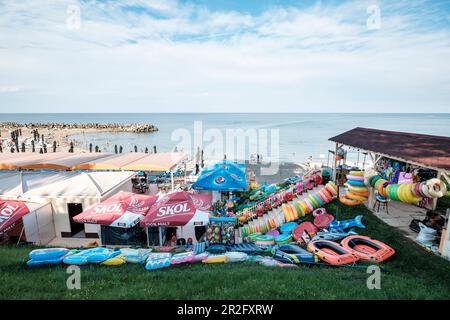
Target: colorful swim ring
[(283, 238), (352, 196), (356, 183), (357, 173), (436, 188), (318, 199), (357, 188), (349, 202), (288, 227), (265, 240)]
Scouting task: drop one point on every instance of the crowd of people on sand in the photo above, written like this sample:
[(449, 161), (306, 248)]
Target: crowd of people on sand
[(132, 127)]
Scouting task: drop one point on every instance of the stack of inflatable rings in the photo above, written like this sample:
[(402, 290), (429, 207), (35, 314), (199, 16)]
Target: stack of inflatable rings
[(297, 210), (409, 192), (357, 192)]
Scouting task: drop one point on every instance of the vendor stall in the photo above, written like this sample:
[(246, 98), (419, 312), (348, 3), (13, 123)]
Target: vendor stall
[(118, 215), (27, 221), (180, 214)]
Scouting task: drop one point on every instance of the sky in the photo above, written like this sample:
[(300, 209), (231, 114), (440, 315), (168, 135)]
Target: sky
[(224, 56)]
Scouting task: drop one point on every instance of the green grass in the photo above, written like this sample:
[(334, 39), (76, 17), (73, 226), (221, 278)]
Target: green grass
[(411, 274)]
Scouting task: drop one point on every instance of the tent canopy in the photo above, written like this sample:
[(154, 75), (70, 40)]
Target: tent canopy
[(425, 150), (27, 185), (64, 162), (113, 162), (124, 209), (222, 176), (156, 162), (178, 209)]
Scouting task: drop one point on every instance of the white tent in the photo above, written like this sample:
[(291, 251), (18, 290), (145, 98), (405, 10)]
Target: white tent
[(67, 192)]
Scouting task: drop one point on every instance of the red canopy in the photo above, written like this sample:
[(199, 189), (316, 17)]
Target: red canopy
[(10, 213), (178, 209), (124, 209)]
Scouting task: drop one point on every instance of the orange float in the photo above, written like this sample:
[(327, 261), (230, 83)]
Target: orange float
[(332, 252), (367, 248)]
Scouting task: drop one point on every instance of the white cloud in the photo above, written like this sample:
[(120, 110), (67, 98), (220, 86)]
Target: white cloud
[(164, 55)]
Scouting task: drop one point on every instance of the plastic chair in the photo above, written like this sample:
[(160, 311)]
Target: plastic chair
[(381, 202)]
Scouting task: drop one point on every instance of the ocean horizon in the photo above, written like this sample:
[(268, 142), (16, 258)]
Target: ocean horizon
[(301, 135)]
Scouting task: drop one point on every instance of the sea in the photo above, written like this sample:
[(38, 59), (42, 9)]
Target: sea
[(287, 137)]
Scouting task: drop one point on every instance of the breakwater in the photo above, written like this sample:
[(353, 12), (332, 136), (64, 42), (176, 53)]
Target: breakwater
[(118, 127)]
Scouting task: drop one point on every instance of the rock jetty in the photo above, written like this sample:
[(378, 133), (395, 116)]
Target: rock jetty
[(119, 127)]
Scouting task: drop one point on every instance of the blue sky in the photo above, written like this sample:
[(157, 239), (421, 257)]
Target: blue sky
[(216, 56)]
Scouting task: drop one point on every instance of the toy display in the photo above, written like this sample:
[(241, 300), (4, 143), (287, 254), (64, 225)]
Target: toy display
[(408, 192), (221, 230)]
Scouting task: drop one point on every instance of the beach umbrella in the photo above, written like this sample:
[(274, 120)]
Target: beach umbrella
[(179, 209), (124, 210), (222, 176), (11, 212)]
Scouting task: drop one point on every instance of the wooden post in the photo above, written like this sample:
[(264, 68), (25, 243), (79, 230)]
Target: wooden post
[(335, 164), (171, 180)]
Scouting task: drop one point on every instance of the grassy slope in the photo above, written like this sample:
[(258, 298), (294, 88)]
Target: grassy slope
[(411, 274)]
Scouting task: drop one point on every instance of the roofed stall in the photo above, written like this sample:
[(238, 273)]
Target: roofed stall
[(427, 151)]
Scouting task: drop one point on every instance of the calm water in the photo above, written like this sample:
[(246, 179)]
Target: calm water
[(300, 135)]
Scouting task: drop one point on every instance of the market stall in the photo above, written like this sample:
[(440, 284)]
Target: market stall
[(27, 221), (118, 215), (180, 214)]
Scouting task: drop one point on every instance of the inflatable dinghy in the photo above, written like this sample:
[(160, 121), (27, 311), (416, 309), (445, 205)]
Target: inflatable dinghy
[(368, 249), (331, 252), (288, 253)]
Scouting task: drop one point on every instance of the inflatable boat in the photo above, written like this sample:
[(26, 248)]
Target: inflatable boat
[(368, 249), (331, 252), (288, 253)]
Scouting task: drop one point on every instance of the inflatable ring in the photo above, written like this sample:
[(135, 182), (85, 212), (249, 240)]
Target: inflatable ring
[(361, 194), (287, 212), (401, 192), (313, 202), (294, 213), (327, 194), (318, 199), (330, 190), (349, 202), (353, 196), (393, 194), (410, 197), (355, 183), (333, 185), (298, 209), (283, 238), (416, 190), (374, 179), (357, 188), (304, 207), (436, 188), (424, 191), (382, 190), (322, 196), (309, 205), (355, 178), (356, 173)]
